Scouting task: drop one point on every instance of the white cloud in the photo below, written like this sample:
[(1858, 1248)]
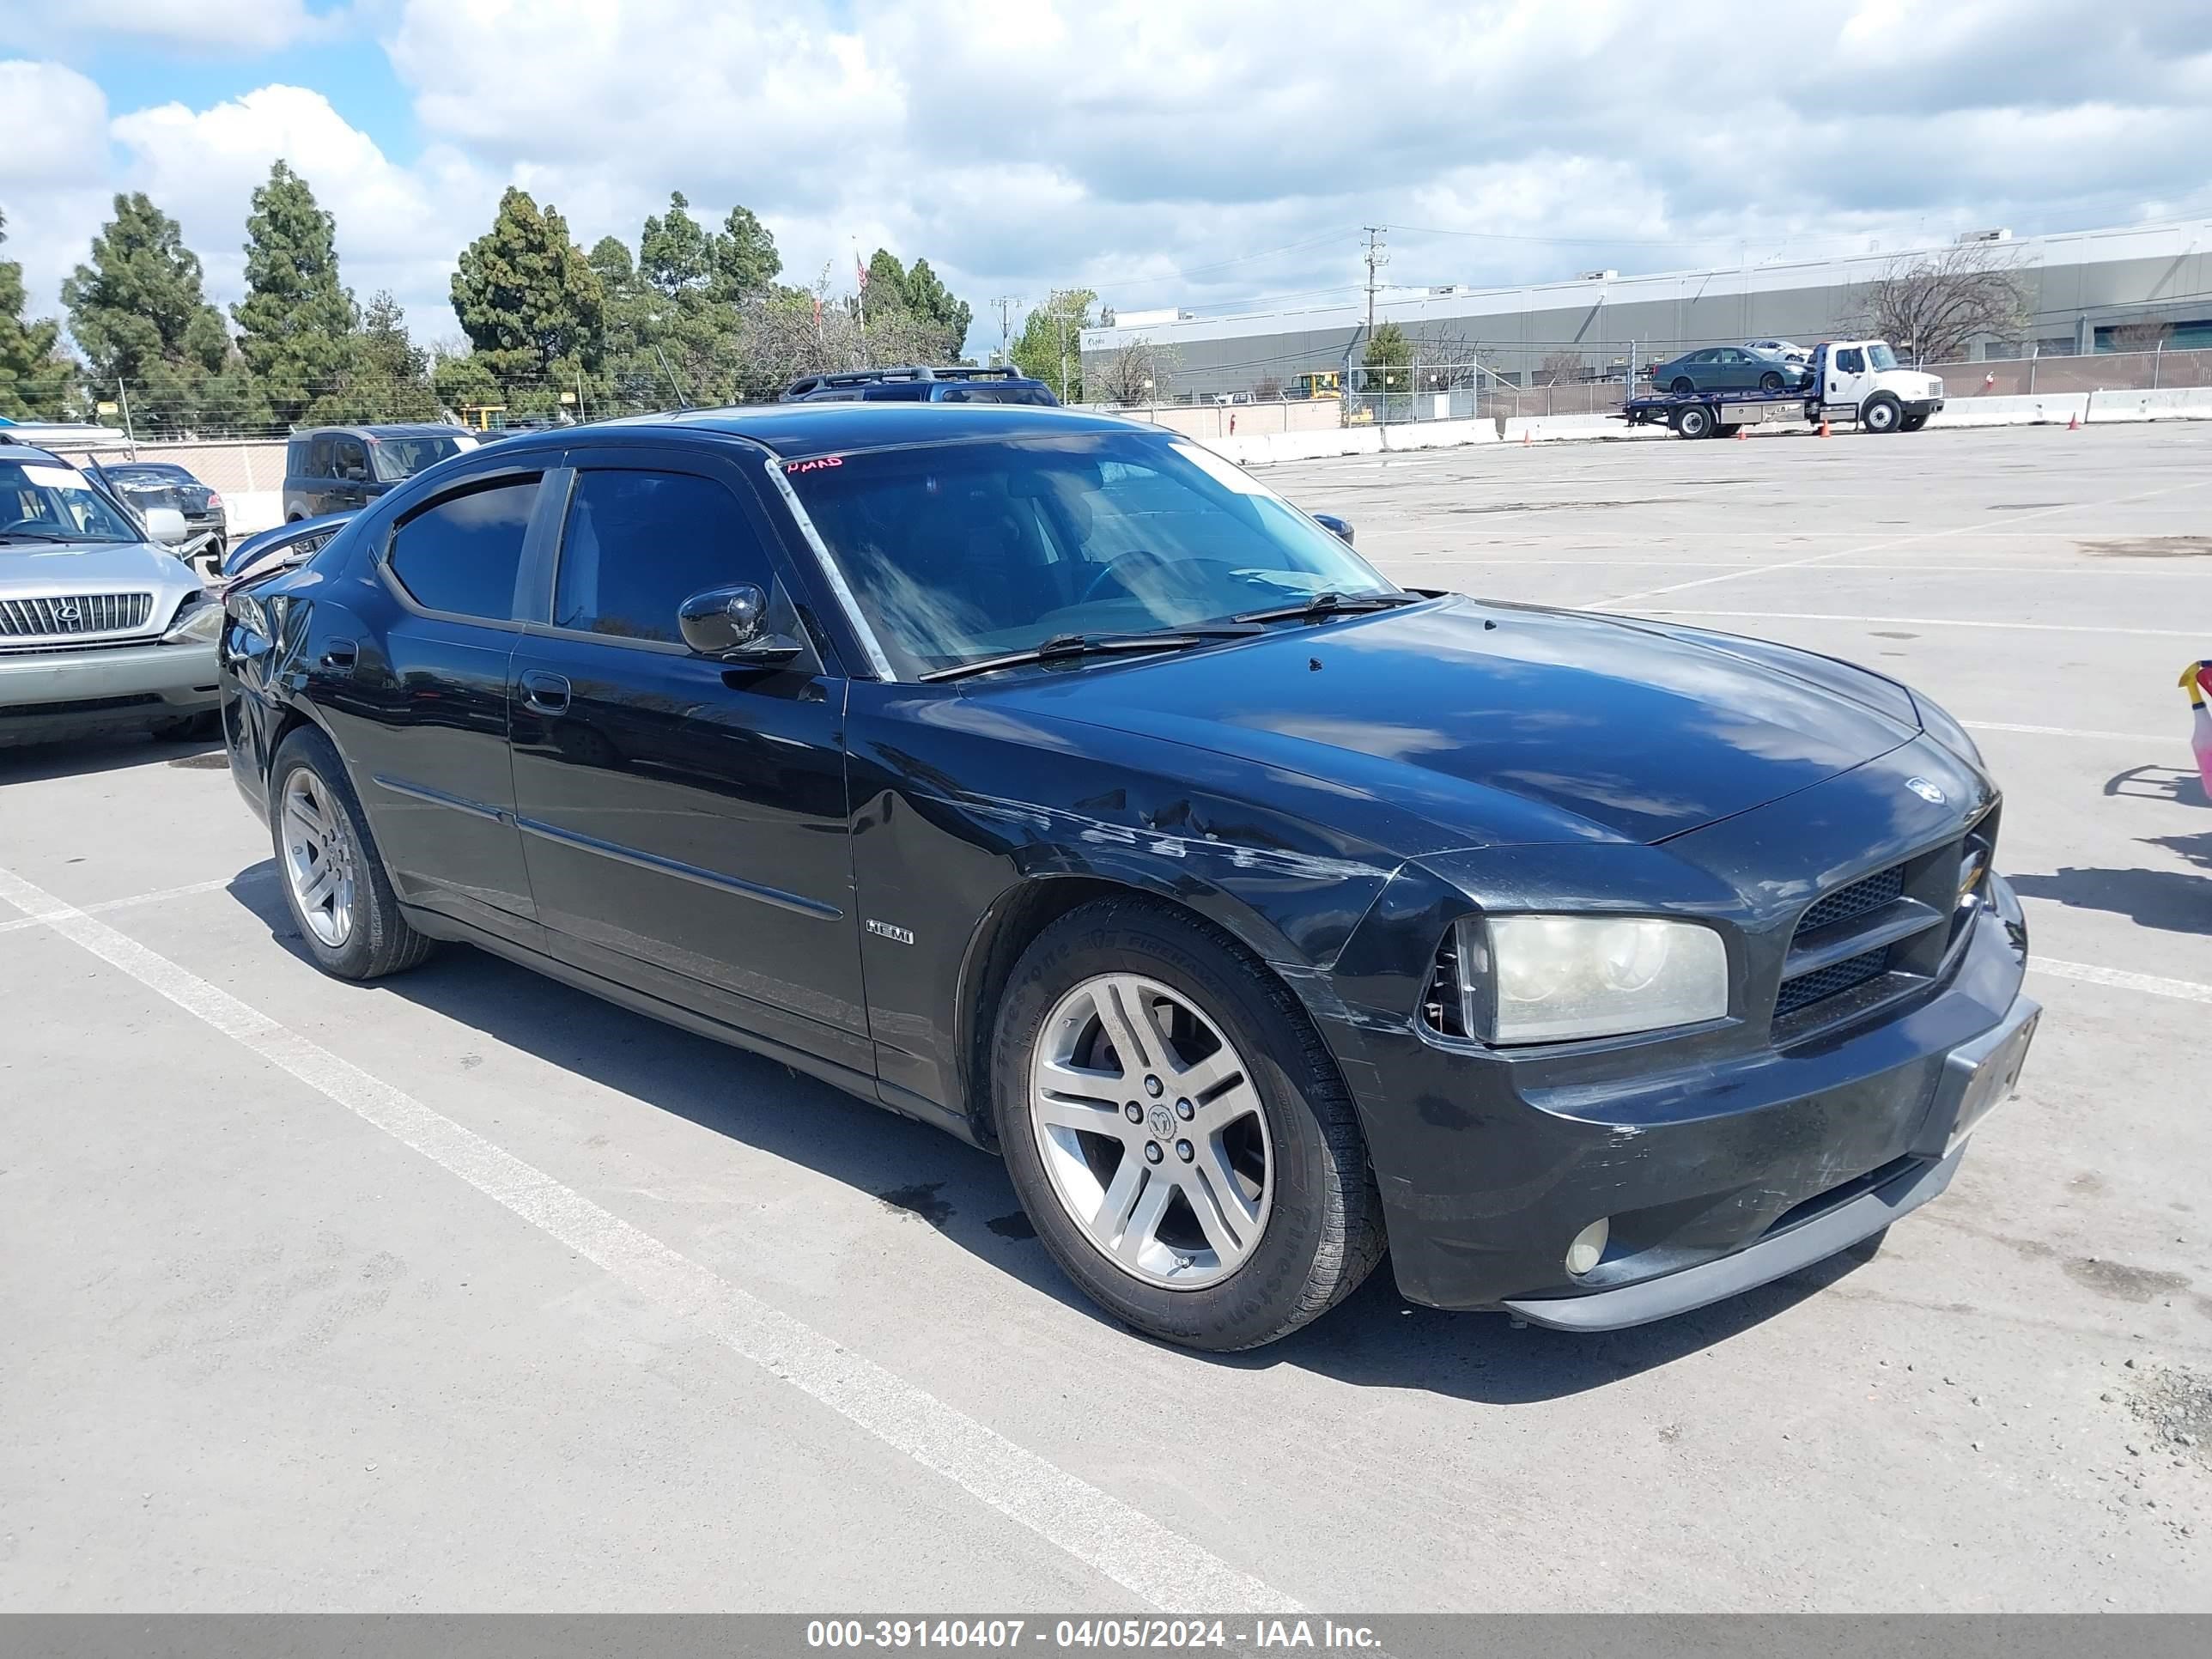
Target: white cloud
[(201, 26), (1154, 150)]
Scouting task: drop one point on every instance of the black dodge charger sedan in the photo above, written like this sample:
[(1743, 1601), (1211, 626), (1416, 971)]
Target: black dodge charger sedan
[(1053, 780)]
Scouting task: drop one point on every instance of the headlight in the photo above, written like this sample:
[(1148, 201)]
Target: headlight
[(1546, 979), (1948, 731), (199, 622)]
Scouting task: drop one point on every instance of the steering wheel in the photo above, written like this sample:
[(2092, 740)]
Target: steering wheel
[(28, 526), (1116, 574)]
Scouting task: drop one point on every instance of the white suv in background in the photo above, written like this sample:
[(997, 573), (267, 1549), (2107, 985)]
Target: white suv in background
[(102, 628)]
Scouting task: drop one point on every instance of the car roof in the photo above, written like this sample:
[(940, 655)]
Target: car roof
[(12, 451), (801, 430), (384, 430)]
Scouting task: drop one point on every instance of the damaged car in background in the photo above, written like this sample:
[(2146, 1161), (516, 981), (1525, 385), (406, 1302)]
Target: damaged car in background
[(1050, 780), (103, 629)]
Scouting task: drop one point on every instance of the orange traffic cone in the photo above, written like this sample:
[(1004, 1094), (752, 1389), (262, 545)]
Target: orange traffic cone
[(1824, 429), (1524, 440), (2073, 422), (1741, 432)]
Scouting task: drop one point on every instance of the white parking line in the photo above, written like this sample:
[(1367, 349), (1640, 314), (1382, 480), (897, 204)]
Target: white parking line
[(2150, 984), (2065, 732), (1097, 1529), (1619, 599), (161, 897), (1926, 622)]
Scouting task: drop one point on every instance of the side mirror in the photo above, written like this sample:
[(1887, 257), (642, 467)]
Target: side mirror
[(1339, 528), (167, 525), (732, 624)]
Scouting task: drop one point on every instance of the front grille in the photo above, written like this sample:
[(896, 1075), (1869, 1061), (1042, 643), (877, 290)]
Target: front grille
[(1823, 983), (1849, 904), (75, 613), (1442, 1007)]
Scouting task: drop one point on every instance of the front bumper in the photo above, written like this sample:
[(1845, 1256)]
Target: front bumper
[(1922, 408), (1714, 1178), (47, 695), (1818, 1230)]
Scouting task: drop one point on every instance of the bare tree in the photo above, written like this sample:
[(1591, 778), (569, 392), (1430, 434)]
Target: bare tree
[(1930, 306), (1559, 368), (1266, 389), (1138, 373), (2144, 334)]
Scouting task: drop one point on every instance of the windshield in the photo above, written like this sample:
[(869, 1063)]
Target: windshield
[(997, 394), (963, 551), (41, 500), (395, 458), (1881, 355)]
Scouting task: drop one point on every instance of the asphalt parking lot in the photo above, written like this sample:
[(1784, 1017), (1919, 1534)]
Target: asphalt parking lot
[(467, 1291)]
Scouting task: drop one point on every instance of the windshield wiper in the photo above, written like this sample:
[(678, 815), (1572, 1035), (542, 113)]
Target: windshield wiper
[(1090, 644), (1329, 603)]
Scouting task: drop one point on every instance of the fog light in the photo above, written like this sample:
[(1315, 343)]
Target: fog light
[(1588, 1247)]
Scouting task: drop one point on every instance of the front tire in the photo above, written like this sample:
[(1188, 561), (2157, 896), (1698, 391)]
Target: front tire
[(1882, 413), (1912, 423), (1770, 381), (334, 882), (1177, 1132)]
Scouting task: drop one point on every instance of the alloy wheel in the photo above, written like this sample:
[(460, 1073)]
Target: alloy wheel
[(319, 858), (1151, 1130)]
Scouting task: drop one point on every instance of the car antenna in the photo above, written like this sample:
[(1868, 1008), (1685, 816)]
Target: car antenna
[(682, 403)]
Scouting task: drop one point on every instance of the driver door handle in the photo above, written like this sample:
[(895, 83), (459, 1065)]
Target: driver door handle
[(547, 693)]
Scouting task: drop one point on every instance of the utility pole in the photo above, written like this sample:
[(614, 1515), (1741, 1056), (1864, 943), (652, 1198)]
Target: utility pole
[(1377, 258), (129, 437), (1006, 303)]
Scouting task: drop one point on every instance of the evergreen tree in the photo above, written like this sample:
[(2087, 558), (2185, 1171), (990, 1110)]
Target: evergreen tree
[(138, 311), (387, 375), (297, 321), (35, 376), (746, 264), (673, 254), (530, 304), (930, 301)]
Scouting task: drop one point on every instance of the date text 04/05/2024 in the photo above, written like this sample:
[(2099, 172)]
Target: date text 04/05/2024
[(1009, 1635)]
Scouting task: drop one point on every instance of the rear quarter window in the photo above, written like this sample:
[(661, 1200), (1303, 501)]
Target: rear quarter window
[(460, 555)]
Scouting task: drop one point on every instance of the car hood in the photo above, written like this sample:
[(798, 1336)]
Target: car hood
[(35, 569), (1504, 723)]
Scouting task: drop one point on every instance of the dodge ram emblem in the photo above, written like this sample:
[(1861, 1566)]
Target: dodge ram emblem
[(1927, 791)]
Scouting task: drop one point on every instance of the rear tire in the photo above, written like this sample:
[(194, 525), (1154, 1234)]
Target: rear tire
[(1881, 413), (334, 882), (1695, 421), (1269, 1120), (1682, 387)]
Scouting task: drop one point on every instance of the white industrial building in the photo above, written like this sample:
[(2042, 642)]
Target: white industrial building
[(2086, 285)]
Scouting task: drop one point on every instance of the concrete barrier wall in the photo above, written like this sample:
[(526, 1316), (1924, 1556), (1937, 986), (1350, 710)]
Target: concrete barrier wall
[(2041, 409), (2176, 404), (1559, 428), (1439, 434)]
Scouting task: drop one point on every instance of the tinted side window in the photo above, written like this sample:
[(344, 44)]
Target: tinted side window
[(295, 456), (319, 459), (638, 544), (349, 458), (1851, 361), (461, 555)]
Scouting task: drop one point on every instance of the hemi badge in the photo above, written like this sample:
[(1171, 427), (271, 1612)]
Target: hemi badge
[(903, 935)]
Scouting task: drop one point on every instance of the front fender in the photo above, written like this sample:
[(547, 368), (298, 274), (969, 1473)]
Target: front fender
[(969, 821)]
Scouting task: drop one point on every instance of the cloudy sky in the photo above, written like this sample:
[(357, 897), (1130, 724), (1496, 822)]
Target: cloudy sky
[(1199, 153)]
